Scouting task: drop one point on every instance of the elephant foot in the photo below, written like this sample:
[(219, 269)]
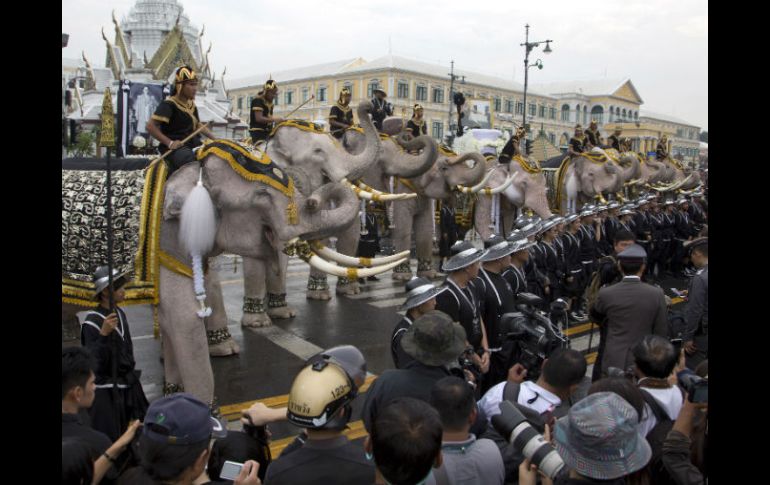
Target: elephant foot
[(347, 287), (399, 276), (223, 349), (255, 320), (278, 308), (322, 295), (430, 274), (254, 314)]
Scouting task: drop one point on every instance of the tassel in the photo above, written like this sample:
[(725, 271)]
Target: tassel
[(364, 232), (200, 289), (292, 214)]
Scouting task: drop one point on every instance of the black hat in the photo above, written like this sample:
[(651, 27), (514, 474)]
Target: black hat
[(700, 241), (522, 244), (496, 247), (571, 218), (463, 254), (420, 290), (633, 254)]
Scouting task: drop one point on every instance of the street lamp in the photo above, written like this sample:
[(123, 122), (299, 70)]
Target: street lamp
[(529, 46)]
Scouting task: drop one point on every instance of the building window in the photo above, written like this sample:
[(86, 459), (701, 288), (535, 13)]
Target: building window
[(519, 108), (498, 104), (305, 94), (421, 93), (585, 115), (438, 95), (541, 111), (552, 113), (321, 94), (636, 115), (532, 109), (240, 102), (624, 114), (438, 130), (374, 84), (249, 101), (277, 100), (565, 112), (289, 95), (509, 106), (403, 89), (597, 113)]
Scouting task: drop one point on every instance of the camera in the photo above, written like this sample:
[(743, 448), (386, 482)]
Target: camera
[(534, 333), (465, 362), (512, 424), (697, 387)]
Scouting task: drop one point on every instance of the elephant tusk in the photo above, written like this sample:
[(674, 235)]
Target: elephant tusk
[(332, 255), (470, 190), (366, 195), (374, 191), (633, 182), (350, 273), (508, 181)]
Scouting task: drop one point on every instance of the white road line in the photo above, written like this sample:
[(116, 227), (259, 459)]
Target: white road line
[(383, 292), (393, 302)]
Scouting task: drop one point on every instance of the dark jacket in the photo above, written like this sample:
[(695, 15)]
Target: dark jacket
[(676, 458), (630, 310)]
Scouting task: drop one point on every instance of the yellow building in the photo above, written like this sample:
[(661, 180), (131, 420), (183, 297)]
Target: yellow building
[(553, 108)]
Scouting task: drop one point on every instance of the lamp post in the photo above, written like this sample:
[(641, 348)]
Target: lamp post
[(528, 48)]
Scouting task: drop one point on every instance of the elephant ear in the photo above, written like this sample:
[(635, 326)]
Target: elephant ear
[(178, 187), (227, 188)]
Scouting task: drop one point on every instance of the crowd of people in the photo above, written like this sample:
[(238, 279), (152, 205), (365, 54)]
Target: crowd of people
[(460, 356)]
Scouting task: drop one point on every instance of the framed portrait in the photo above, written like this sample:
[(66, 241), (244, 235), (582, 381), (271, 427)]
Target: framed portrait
[(478, 113), (137, 102)]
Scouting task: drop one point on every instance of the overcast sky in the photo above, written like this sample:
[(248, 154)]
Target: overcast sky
[(661, 45)]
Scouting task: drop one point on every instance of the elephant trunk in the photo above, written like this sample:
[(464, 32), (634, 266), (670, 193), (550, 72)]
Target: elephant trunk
[(318, 223), (406, 165), (633, 171), (536, 199), (353, 167), (469, 176)]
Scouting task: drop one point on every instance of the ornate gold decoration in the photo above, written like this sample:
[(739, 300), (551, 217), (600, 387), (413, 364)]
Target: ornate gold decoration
[(292, 214), (107, 138)]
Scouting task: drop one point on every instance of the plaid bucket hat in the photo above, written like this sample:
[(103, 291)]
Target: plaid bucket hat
[(599, 438)]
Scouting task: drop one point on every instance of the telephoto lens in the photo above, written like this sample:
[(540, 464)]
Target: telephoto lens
[(512, 424)]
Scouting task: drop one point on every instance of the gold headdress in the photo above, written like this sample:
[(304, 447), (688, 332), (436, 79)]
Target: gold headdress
[(345, 92), (184, 74), (417, 106), (270, 84)]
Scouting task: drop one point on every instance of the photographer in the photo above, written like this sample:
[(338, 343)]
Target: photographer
[(420, 299), (435, 342), (541, 402), (320, 401), (466, 460), (696, 335)]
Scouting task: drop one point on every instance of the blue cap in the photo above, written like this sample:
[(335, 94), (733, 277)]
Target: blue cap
[(181, 419)]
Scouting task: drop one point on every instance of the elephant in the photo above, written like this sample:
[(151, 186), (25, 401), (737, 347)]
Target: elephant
[(676, 177), (253, 220), (527, 189), (581, 179), (447, 173)]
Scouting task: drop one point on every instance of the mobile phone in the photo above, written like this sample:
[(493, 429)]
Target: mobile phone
[(230, 470), (677, 343)]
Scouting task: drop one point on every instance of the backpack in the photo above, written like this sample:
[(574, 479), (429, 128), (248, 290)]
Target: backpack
[(655, 437)]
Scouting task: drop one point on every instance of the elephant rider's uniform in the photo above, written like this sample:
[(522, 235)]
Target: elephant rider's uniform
[(381, 110), (417, 128), (592, 136), (260, 131), (177, 120), (660, 152), (342, 114), (614, 141), (578, 144)]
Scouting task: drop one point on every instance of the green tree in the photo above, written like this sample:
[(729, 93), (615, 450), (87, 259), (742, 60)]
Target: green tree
[(704, 136), (85, 143)]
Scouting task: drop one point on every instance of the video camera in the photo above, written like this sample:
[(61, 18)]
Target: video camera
[(536, 336), (697, 387)]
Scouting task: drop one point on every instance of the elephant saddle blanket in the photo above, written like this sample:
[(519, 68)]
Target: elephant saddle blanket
[(137, 199), (254, 166), (300, 124)]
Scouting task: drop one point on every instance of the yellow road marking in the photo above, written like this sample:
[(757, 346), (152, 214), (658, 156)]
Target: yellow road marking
[(232, 412)]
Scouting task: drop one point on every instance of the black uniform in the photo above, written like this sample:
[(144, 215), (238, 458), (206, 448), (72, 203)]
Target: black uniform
[(510, 150), (657, 252), (614, 142), (498, 300), (588, 250), (343, 114), (683, 230), (177, 120), (578, 144), (668, 240), (369, 243), (107, 416), (417, 129), (516, 279), (400, 358), (260, 131), (382, 109), (464, 306), (572, 265), (661, 152), (534, 274), (592, 136), (450, 233), (548, 262)]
